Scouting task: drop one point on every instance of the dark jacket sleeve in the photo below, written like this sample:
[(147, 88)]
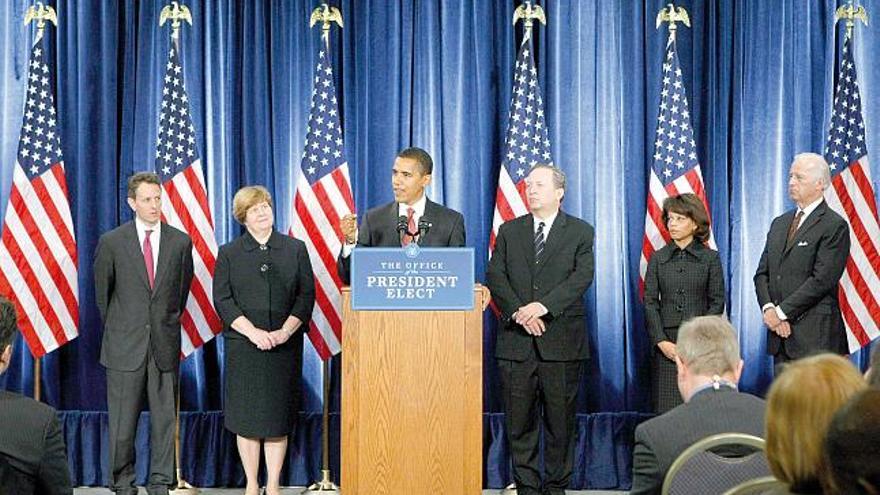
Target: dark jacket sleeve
[(762, 274), (574, 286), (716, 295), (304, 299), (830, 261), (224, 301), (653, 321), (186, 273), (646, 475), (53, 476), (457, 237), (498, 279), (104, 277)]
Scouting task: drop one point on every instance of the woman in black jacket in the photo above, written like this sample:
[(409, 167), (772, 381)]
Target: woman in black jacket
[(683, 280)]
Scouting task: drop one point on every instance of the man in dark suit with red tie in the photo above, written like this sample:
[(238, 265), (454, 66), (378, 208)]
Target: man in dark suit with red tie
[(143, 271), (32, 454), (803, 259), (539, 271), (411, 217)]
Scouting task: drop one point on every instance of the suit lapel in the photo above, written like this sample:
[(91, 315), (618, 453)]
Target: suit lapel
[(814, 218), (554, 240), (164, 256), (431, 212), (527, 234), (133, 246)]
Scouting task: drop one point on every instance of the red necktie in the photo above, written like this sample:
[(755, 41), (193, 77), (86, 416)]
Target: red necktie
[(410, 227), (148, 257)]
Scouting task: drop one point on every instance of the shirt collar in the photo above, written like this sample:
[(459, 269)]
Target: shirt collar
[(548, 222), (250, 243), (811, 207), (418, 207), (142, 227)]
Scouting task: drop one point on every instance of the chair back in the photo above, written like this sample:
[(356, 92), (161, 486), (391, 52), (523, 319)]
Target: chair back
[(759, 486), (716, 464)]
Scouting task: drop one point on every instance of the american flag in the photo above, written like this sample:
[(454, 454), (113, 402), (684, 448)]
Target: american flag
[(185, 204), (38, 260), (527, 142), (675, 168), (323, 196), (852, 196)]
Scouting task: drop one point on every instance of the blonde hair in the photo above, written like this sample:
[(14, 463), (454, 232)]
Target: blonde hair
[(246, 198), (801, 402)]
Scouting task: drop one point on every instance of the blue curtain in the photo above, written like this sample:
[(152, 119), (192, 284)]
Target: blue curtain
[(435, 74)]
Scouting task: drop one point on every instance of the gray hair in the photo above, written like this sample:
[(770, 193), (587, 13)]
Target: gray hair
[(708, 345), (819, 167), (558, 174)]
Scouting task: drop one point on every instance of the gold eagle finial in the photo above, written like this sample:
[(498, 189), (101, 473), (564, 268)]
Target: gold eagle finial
[(326, 15), (851, 14), (175, 13), (529, 13), (673, 16), (40, 13)]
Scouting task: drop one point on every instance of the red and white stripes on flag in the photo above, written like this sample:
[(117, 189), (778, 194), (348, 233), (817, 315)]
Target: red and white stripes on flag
[(675, 168), (38, 259), (527, 142), (852, 196), (323, 196), (185, 203)]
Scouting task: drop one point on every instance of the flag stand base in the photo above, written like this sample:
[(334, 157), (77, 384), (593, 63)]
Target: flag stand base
[(324, 486)]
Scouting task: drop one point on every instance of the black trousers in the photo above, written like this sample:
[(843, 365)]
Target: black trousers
[(533, 390), (125, 393)]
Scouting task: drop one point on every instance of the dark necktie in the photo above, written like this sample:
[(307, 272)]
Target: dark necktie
[(410, 227), (148, 257), (792, 229), (539, 242)]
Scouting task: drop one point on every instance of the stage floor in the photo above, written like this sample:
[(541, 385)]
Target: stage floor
[(292, 491)]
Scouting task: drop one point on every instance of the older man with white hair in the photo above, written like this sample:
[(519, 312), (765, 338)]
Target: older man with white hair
[(804, 257)]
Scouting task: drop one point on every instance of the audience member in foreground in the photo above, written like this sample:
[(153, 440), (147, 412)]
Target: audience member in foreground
[(709, 367), (800, 404), (852, 447)]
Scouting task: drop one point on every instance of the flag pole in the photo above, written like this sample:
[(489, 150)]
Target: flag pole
[(176, 13), (40, 13), (326, 15)]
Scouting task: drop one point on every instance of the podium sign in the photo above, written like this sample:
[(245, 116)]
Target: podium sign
[(412, 278)]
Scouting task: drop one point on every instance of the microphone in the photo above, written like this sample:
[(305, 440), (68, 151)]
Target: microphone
[(402, 225)]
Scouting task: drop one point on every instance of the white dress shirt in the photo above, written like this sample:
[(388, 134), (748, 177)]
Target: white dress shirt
[(154, 239)]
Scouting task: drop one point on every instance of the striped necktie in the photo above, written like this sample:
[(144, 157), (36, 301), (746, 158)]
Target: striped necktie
[(539, 242)]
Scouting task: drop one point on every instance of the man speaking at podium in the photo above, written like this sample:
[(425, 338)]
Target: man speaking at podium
[(411, 217), (539, 271)]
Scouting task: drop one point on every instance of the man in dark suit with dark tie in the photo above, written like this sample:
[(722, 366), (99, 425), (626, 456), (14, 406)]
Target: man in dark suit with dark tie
[(411, 217), (803, 259), (709, 367), (33, 459), (143, 271), (541, 266)]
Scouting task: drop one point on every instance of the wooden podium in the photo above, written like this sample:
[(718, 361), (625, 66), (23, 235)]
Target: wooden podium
[(412, 401)]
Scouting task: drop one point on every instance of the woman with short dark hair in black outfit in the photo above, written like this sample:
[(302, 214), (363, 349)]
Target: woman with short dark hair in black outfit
[(264, 292), (683, 280)]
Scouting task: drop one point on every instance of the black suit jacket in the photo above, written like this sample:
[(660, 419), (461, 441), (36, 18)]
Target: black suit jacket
[(379, 229), (135, 318), (32, 444), (802, 279), (681, 284), (660, 440), (558, 282)]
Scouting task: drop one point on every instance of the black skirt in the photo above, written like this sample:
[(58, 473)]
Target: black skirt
[(665, 382), (262, 387)]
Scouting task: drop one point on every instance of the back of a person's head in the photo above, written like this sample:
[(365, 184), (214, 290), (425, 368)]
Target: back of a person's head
[(800, 405), (708, 346), (8, 327), (852, 447)]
